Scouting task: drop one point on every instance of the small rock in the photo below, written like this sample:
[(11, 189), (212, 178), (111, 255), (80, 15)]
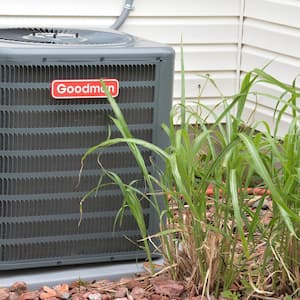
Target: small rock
[(13, 296), (29, 296), (61, 287), (138, 293), (158, 297), (62, 291), (4, 294), (47, 293), (19, 287), (77, 297), (63, 295), (106, 297), (95, 296), (168, 287), (121, 292)]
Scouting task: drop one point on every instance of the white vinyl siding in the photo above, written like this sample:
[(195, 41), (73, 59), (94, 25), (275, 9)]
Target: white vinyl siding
[(283, 12), (271, 34)]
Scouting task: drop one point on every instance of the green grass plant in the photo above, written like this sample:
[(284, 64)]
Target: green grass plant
[(210, 239)]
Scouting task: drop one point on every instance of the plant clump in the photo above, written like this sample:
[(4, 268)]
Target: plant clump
[(226, 192)]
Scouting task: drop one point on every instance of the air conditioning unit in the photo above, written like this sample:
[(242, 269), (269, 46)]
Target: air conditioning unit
[(52, 111)]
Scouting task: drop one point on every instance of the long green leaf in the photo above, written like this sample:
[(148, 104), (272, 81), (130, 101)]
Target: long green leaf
[(236, 209), (286, 212), (183, 104)]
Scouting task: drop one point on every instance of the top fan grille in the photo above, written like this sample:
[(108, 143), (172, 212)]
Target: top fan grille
[(65, 36)]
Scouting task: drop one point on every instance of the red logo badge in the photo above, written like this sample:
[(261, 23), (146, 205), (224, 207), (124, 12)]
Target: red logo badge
[(85, 88)]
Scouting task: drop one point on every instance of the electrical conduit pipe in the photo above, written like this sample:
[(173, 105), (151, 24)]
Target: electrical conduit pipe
[(128, 6)]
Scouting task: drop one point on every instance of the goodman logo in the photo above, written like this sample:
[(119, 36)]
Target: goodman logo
[(85, 88)]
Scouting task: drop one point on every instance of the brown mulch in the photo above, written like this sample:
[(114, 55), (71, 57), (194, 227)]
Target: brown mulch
[(142, 287)]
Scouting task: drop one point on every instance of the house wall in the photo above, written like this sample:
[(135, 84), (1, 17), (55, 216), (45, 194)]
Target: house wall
[(271, 34), (222, 38)]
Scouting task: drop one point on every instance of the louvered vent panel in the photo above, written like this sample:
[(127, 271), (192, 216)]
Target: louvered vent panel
[(43, 140)]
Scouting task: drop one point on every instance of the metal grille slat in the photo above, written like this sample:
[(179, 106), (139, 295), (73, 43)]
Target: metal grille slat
[(59, 183), (64, 140), (58, 204), (67, 162), (65, 226), (61, 249), (36, 73), (39, 96), (71, 118)]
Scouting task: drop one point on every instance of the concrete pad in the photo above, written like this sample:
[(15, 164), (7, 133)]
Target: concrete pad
[(36, 278)]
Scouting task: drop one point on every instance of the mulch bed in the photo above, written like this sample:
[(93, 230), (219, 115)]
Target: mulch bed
[(142, 287)]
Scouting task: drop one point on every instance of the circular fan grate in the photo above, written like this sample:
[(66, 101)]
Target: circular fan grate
[(65, 36)]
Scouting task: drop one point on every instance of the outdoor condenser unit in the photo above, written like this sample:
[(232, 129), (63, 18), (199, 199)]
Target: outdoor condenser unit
[(52, 111)]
